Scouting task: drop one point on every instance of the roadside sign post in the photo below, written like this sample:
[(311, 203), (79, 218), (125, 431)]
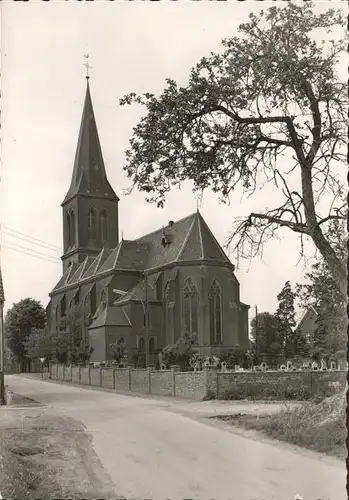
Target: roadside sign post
[(42, 360)]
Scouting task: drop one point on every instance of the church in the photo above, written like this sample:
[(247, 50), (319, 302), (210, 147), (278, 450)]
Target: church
[(148, 292)]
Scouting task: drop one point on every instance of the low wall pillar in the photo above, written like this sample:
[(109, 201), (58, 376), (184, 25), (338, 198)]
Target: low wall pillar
[(129, 378), (174, 369), (211, 380), (150, 368)]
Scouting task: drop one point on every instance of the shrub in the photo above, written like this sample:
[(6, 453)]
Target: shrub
[(275, 392)]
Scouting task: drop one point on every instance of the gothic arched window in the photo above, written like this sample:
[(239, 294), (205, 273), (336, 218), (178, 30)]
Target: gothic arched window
[(190, 307), (141, 345), (103, 226), (215, 312), (87, 304), (72, 229), (63, 306), (67, 229), (92, 224), (159, 285), (151, 345), (103, 300)]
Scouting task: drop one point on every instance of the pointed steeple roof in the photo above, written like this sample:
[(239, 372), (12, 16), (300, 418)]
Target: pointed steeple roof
[(89, 175)]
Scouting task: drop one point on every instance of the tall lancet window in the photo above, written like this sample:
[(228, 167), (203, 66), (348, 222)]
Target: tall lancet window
[(190, 307), (215, 312), (72, 229), (92, 224), (67, 229), (103, 226), (166, 299)]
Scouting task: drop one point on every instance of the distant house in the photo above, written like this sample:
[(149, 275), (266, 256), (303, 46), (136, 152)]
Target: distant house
[(307, 325)]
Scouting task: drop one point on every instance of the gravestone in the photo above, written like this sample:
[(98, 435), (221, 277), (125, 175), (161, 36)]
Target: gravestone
[(289, 366), (224, 367), (263, 366), (314, 366), (163, 366), (282, 368), (333, 365)]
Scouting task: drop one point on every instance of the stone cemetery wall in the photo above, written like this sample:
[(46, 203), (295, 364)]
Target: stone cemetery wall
[(85, 375), (108, 378), (122, 377), (190, 385), (200, 384), (67, 373), (95, 374), (161, 382), (60, 372), (75, 374), (140, 380)]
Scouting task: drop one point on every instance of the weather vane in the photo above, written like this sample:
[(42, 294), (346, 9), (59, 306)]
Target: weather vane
[(87, 66)]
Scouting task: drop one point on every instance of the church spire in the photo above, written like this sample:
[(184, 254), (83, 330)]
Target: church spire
[(89, 175)]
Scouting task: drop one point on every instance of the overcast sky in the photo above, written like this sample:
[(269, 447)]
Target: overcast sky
[(133, 47)]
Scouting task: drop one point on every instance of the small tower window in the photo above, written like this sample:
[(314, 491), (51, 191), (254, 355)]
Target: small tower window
[(103, 226), (141, 345), (91, 224), (72, 229), (151, 345), (67, 229)]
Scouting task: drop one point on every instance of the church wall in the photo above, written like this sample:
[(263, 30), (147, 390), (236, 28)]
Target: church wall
[(203, 277), (97, 341), (84, 204), (230, 303), (114, 334)]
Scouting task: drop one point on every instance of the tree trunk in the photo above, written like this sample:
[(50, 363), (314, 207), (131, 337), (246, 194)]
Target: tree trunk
[(336, 267)]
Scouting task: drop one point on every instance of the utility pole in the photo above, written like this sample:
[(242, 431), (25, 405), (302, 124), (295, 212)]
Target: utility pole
[(146, 320), (257, 336)]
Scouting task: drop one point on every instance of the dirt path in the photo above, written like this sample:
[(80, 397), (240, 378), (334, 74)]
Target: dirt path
[(46, 455)]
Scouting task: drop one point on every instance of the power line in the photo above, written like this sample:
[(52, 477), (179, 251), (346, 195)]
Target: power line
[(34, 251), (32, 242), (36, 254), (8, 229)]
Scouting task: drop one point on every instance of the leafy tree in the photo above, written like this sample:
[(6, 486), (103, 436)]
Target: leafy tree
[(20, 321), (69, 345), (267, 340), (272, 95), (180, 352), (40, 344), (321, 292), (118, 350), (294, 343)]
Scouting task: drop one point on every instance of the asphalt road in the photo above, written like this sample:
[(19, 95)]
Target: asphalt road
[(160, 449)]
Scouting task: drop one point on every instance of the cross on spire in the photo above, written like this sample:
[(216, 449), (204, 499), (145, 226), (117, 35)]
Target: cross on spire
[(87, 66)]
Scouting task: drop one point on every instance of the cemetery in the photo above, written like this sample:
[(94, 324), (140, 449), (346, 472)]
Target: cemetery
[(208, 378)]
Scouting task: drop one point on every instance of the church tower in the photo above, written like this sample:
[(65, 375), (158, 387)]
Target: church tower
[(90, 208)]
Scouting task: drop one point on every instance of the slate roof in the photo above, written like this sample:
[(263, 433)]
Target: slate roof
[(190, 239), (112, 316), (138, 291), (89, 175)]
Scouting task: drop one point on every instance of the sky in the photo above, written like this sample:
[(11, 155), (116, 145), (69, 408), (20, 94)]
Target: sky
[(133, 47)]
